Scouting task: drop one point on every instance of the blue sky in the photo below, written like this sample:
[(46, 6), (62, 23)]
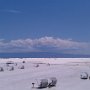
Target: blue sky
[(66, 22)]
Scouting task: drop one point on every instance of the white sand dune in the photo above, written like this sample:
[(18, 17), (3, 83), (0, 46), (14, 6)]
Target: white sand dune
[(66, 70)]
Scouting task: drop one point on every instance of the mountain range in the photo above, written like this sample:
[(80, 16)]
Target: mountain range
[(42, 55)]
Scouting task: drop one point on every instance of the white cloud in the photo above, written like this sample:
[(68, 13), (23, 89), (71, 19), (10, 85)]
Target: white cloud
[(13, 11), (27, 45), (10, 11)]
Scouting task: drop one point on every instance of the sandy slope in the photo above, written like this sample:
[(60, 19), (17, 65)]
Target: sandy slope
[(67, 72)]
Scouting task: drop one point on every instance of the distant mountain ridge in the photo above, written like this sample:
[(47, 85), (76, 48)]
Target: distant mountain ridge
[(41, 55)]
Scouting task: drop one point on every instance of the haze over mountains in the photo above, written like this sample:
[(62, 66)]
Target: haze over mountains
[(42, 55)]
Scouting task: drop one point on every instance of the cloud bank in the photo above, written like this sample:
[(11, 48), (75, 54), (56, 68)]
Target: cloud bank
[(44, 44)]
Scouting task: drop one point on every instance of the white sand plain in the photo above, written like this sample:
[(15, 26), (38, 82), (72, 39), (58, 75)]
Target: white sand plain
[(66, 70)]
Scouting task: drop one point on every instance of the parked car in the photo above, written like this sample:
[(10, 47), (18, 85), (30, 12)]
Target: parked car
[(84, 75), (21, 67), (1, 69), (52, 82), (43, 83), (40, 83)]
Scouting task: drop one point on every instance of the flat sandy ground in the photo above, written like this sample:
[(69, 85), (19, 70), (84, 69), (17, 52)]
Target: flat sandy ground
[(66, 70)]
